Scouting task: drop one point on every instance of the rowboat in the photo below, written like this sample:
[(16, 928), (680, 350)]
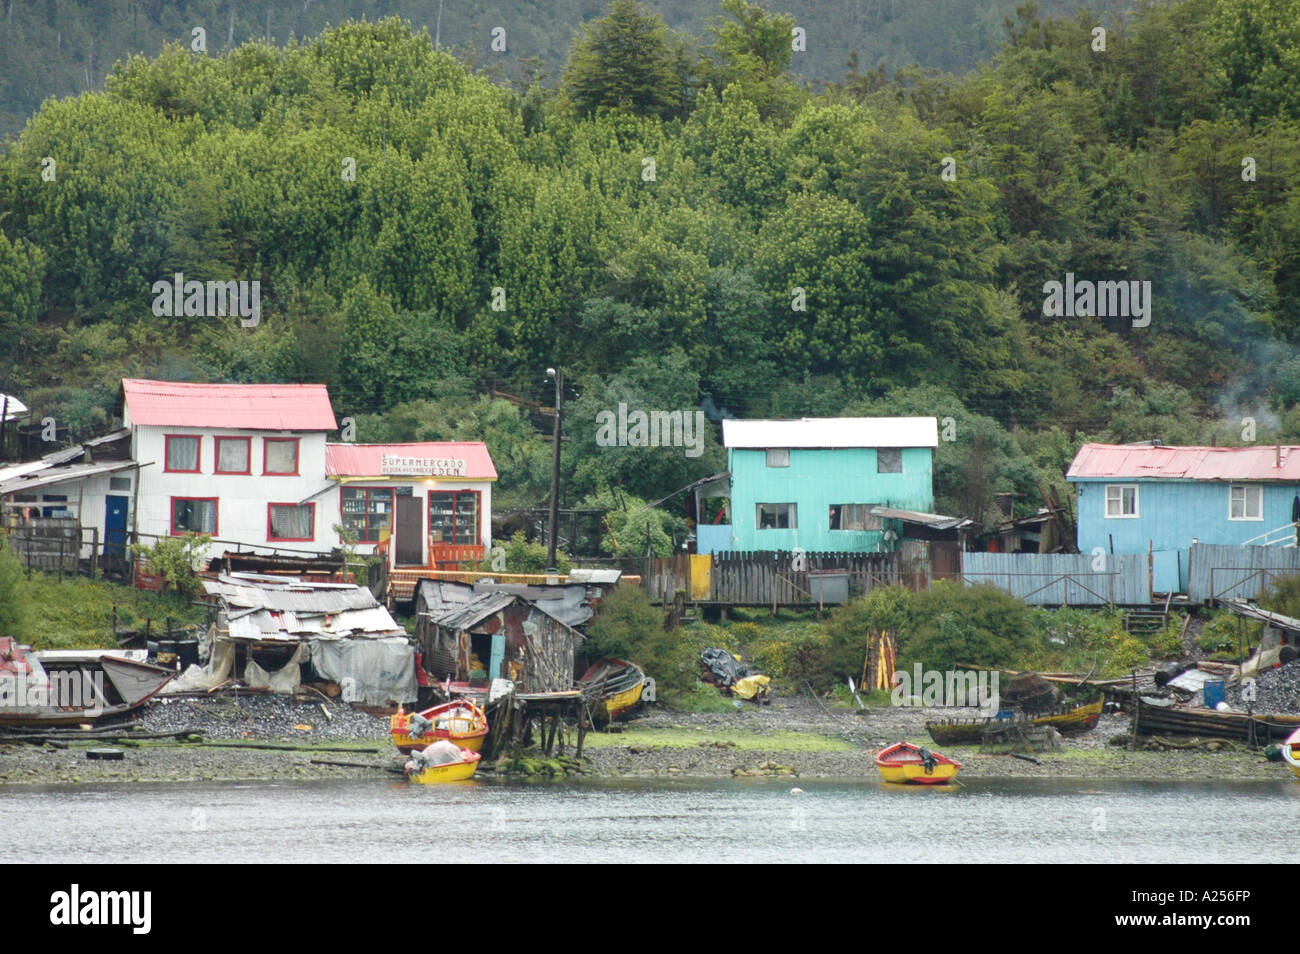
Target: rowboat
[(460, 721), (449, 772), (904, 762), (1157, 716), (616, 685), (957, 732), (1291, 752), (57, 688), (1072, 721)]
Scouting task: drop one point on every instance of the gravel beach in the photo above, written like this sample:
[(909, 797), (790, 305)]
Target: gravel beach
[(795, 736)]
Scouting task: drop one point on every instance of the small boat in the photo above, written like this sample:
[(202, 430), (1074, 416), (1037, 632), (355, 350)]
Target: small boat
[(957, 732), (1073, 720), (618, 686), (904, 762), (447, 772), (459, 721), (67, 687), (1291, 752)]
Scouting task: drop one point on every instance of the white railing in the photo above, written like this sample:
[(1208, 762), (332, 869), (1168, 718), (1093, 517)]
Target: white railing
[(1281, 536)]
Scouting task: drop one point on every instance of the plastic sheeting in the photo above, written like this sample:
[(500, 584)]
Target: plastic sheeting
[(373, 672), (285, 679), (203, 678)]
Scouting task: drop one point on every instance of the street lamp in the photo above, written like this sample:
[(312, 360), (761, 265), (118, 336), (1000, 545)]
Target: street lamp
[(558, 375)]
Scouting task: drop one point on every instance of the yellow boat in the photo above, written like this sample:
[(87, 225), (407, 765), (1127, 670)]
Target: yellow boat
[(451, 772), (1291, 752), (618, 684), (460, 721), (905, 763)]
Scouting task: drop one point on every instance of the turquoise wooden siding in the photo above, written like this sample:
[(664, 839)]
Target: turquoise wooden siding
[(1171, 513), (815, 481)]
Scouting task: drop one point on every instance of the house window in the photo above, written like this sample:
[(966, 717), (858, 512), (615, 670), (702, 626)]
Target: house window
[(453, 516), (778, 457), (194, 515), (280, 455), (1245, 502), (288, 521), (889, 460), (119, 483), (366, 511), (855, 517), (60, 511), (234, 455), (182, 453), (1121, 500), (778, 516)]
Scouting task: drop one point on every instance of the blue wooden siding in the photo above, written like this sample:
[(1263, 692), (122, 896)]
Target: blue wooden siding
[(816, 480), (1171, 514)]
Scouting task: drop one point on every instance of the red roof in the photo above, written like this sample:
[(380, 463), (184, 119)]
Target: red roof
[(1135, 461), (254, 407), (367, 460)]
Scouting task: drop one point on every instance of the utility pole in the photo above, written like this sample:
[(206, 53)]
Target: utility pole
[(558, 375)]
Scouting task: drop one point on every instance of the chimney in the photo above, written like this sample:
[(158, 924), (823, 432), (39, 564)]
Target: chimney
[(1279, 457)]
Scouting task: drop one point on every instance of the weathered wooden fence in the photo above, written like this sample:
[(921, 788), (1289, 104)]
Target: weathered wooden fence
[(51, 544), (763, 578)]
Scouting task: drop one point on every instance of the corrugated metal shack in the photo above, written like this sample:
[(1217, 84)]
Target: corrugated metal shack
[(484, 631), (269, 628)]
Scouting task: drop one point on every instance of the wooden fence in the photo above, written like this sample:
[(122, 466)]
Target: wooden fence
[(762, 578)]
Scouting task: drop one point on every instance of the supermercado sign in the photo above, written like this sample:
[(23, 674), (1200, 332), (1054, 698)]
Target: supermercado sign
[(396, 466)]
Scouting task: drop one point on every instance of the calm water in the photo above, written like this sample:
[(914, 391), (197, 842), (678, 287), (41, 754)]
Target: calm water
[(685, 821)]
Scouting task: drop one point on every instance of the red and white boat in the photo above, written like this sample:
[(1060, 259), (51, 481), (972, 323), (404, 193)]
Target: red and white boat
[(910, 764)]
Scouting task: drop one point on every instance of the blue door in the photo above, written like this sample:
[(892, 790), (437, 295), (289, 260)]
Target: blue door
[(114, 532)]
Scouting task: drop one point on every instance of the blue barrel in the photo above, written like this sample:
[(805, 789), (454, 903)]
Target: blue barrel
[(1213, 693)]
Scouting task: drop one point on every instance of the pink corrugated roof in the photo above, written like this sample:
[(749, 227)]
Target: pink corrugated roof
[(260, 407), (366, 460), (1186, 463)]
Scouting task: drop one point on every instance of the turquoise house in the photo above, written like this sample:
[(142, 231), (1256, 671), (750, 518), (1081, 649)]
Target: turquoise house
[(813, 483), (1157, 499)]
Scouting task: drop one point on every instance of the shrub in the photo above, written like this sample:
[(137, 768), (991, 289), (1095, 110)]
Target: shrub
[(849, 627), (176, 559), (13, 614), (524, 557), (1219, 634), (628, 626), (797, 658), (950, 624)]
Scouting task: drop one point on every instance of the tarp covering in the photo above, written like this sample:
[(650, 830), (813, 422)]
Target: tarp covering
[(726, 668), (374, 672), (285, 679), (203, 678), (751, 686)]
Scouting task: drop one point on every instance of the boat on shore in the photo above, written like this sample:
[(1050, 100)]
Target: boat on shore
[(1291, 752), (460, 721), (1068, 720), (616, 686), (1157, 716), (905, 763), (426, 774), (67, 687)]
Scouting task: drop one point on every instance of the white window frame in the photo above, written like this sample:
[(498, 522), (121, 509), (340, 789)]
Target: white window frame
[(1259, 499), (1137, 509), (792, 514)]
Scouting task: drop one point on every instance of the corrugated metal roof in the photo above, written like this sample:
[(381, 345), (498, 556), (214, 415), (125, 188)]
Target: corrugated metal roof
[(475, 611), (1139, 461), (258, 407), (367, 460), (833, 432), (57, 475), (936, 521), (294, 597)]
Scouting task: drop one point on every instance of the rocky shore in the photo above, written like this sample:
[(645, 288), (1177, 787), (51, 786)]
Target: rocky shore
[(268, 737)]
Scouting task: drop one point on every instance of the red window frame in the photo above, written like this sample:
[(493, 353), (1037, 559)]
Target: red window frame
[(478, 513), (198, 456), (297, 456), (270, 538), (171, 517), (216, 456)]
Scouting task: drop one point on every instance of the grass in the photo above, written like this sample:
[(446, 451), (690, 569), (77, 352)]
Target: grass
[(691, 738), (76, 613), (701, 698)]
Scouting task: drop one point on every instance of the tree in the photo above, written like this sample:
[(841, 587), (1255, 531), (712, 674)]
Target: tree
[(624, 61)]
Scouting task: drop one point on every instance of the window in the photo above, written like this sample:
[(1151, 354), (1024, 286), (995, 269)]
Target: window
[(61, 511), (366, 511), (234, 455), (778, 457), (1121, 500), (290, 521), (453, 516), (119, 483), (855, 517), (280, 455), (889, 460), (194, 515), (780, 516), (1245, 502), (182, 454)]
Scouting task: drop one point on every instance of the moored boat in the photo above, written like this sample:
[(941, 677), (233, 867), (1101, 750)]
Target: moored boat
[(425, 774), (461, 721), (1291, 752), (906, 763)]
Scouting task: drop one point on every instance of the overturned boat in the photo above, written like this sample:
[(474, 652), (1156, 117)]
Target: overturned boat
[(71, 687)]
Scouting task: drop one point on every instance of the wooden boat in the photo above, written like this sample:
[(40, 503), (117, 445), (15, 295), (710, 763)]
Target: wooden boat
[(71, 688), (460, 721), (1160, 717), (904, 762), (957, 731), (1072, 721), (616, 685), (1291, 752), (450, 772)]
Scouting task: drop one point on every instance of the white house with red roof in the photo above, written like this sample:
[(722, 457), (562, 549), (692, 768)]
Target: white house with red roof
[(244, 463), (423, 503)]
